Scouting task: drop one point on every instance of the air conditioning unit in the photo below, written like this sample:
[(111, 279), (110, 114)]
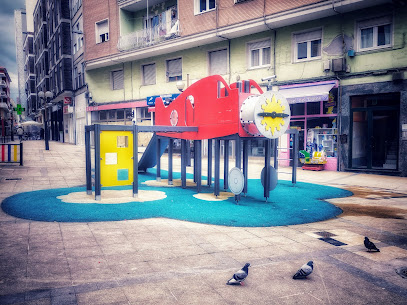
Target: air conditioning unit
[(327, 65), (240, 1), (339, 65)]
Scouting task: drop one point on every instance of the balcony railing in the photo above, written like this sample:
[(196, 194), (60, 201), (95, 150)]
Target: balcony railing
[(149, 36)]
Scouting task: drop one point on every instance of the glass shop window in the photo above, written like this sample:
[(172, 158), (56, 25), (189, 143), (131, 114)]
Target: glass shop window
[(314, 108), (120, 114), (112, 114), (102, 115), (297, 109)]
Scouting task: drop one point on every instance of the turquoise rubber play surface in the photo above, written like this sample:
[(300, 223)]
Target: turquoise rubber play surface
[(287, 205)]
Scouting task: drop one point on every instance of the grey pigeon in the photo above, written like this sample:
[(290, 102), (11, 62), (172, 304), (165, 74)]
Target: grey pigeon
[(304, 271), (239, 276), (370, 245)]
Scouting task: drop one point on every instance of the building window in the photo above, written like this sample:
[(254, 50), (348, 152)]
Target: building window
[(75, 73), (259, 53), (120, 114), (83, 73), (307, 45), (102, 31), (102, 115), (374, 33), (149, 74), (218, 62), (202, 6), (143, 114), (117, 79), (174, 70)]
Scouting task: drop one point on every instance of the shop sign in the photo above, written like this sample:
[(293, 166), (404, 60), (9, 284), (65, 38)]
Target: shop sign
[(68, 109), (151, 99), (67, 100)]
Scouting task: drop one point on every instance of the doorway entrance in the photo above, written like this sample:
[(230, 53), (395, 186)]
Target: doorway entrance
[(375, 131)]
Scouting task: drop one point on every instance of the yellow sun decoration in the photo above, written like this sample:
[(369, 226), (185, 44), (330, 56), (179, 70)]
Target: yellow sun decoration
[(271, 106)]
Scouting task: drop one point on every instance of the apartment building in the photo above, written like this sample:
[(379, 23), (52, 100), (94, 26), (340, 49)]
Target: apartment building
[(340, 64), (32, 102), (20, 29), (53, 65), (80, 96), (5, 104)]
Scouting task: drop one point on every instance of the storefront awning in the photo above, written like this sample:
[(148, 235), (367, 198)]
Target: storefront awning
[(308, 92)]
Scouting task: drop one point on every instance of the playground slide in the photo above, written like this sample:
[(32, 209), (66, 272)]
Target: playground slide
[(149, 159)]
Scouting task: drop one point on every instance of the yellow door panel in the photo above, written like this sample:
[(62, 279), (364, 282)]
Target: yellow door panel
[(116, 152)]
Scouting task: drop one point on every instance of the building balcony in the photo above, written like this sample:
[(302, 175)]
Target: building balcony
[(149, 36), (4, 106), (3, 83)]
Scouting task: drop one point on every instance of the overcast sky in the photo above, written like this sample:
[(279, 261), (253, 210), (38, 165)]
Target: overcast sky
[(7, 41)]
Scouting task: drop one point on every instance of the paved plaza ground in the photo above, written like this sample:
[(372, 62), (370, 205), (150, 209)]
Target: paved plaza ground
[(166, 261)]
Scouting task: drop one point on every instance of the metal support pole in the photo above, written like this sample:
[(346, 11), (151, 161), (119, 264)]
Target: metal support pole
[(195, 173), (188, 152), (88, 163), (135, 160), (183, 163), (98, 186), (246, 144), (158, 156), (209, 182), (170, 148), (238, 158), (295, 157), (198, 163), (267, 169), (238, 153), (46, 132), (226, 164), (217, 165), (21, 154), (276, 153)]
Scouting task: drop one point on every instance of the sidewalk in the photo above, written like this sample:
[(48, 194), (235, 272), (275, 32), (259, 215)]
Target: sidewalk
[(165, 261)]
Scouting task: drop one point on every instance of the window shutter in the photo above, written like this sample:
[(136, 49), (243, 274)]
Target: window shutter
[(218, 62), (174, 67), (260, 44), (308, 36), (149, 74), (118, 79), (374, 22), (103, 27)]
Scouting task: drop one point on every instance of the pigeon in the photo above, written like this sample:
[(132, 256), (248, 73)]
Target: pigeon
[(370, 246), (239, 276), (304, 271)]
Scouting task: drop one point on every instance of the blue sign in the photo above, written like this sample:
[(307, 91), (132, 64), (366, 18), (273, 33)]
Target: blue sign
[(151, 99)]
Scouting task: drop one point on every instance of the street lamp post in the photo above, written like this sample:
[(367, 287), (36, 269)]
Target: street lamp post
[(44, 96)]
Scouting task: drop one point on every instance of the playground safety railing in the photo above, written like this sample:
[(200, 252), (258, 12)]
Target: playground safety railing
[(12, 153)]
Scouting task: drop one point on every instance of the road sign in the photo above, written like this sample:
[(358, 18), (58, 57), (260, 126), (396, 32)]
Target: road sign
[(151, 99)]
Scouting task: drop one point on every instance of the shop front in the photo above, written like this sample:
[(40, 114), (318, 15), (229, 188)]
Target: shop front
[(314, 111), (374, 116)]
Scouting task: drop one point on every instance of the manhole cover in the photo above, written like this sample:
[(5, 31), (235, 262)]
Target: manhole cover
[(13, 179), (332, 241), (325, 234), (402, 272)]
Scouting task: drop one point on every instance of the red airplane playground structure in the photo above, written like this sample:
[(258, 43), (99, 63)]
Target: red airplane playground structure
[(210, 110)]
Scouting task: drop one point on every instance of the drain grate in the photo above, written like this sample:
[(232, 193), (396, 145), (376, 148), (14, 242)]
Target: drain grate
[(13, 178), (325, 234), (402, 272), (332, 241)]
